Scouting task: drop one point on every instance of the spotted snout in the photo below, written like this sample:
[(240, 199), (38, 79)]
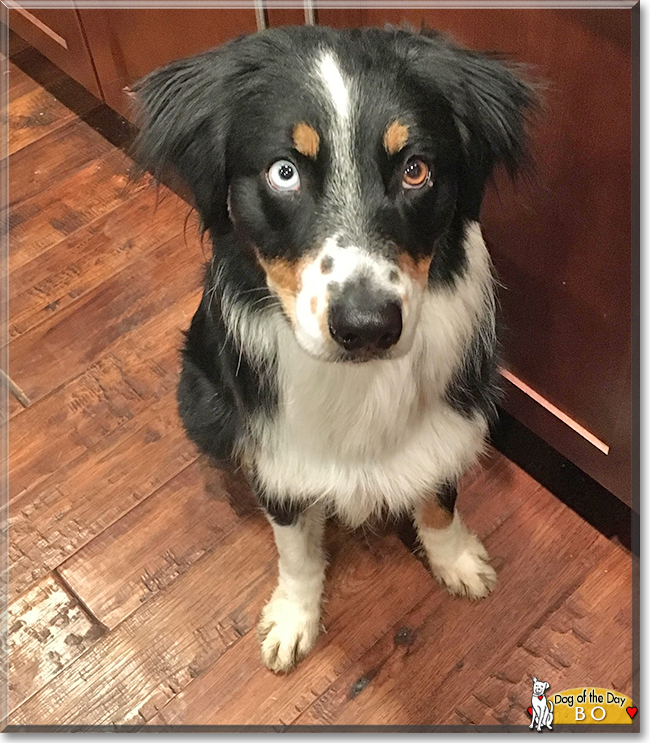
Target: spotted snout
[(345, 303)]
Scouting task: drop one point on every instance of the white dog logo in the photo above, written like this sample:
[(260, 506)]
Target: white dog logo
[(542, 708)]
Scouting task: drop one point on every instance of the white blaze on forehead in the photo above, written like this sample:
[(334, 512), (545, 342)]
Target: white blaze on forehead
[(337, 93), (335, 85)]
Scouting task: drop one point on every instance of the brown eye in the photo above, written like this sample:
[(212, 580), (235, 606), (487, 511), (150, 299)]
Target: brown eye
[(416, 174)]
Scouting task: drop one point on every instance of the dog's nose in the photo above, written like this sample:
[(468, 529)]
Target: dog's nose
[(361, 321)]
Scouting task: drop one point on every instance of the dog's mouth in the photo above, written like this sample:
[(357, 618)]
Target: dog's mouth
[(362, 357), (331, 355)]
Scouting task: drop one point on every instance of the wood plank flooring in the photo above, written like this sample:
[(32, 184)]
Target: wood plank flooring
[(137, 570)]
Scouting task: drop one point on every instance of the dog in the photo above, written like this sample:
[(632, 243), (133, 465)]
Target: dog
[(344, 352), (542, 707)]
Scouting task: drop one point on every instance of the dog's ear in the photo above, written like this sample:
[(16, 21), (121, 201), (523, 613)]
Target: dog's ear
[(547, 685), (491, 103), (182, 111), (534, 680), (491, 110)]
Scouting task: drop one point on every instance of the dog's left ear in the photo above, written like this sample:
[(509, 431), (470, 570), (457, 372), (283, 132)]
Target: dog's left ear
[(547, 685), (492, 111), (491, 103)]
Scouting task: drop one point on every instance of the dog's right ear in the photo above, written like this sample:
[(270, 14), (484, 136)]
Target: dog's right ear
[(183, 115), (534, 680)]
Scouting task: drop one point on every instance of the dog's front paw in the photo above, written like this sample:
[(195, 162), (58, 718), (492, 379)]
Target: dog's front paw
[(287, 631), (467, 573)]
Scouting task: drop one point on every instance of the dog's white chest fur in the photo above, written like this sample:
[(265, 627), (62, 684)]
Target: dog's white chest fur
[(365, 436)]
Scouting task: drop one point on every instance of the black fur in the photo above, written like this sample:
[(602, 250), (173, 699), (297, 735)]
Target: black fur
[(447, 495), (283, 513), (476, 384), (219, 389), (219, 119)]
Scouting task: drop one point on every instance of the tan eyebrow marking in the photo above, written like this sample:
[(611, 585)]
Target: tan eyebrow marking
[(306, 139), (395, 137)]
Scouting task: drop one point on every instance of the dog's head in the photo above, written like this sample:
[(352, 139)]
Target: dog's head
[(338, 160), (539, 687)]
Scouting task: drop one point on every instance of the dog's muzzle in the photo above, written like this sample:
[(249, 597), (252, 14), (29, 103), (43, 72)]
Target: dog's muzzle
[(365, 322)]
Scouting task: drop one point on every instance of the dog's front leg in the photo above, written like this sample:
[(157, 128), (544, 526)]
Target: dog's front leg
[(290, 622), (457, 557)]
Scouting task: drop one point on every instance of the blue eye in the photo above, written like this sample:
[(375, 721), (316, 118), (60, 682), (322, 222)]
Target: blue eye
[(283, 176)]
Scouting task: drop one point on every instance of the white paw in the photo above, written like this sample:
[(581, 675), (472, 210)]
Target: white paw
[(467, 573), (286, 631)]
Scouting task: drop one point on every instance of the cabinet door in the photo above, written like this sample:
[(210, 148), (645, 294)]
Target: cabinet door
[(289, 16), (58, 35), (127, 44), (561, 240)]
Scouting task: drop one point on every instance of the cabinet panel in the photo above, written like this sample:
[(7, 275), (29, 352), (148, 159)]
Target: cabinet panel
[(561, 238), (127, 44), (58, 35), (286, 16)]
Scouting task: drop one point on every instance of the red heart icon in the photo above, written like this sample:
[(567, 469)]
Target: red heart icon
[(542, 697), (631, 711), (530, 711)]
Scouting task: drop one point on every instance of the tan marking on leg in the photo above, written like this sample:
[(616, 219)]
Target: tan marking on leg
[(306, 140), (313, 303), (417, 270), (395, 137), (433, 516)]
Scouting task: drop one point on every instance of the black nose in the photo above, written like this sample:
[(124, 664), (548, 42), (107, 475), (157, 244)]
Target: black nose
[(359, 321)]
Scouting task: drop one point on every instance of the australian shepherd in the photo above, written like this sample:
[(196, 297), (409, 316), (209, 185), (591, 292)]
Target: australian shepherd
[(344, 350)]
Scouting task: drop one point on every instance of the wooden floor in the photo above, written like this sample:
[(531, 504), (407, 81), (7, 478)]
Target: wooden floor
[(137, 571)]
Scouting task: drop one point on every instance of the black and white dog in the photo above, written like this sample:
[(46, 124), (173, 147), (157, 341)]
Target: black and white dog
[(344, 347)]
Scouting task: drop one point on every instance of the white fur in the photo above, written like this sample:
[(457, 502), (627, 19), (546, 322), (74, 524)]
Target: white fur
[(255, 333), (359, 437), (458, 559), (335, 86), (290, 622)]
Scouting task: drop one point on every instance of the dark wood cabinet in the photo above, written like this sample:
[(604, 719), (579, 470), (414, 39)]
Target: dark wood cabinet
[(58, 35), (561, 238), (290, 16), (127, 44)]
